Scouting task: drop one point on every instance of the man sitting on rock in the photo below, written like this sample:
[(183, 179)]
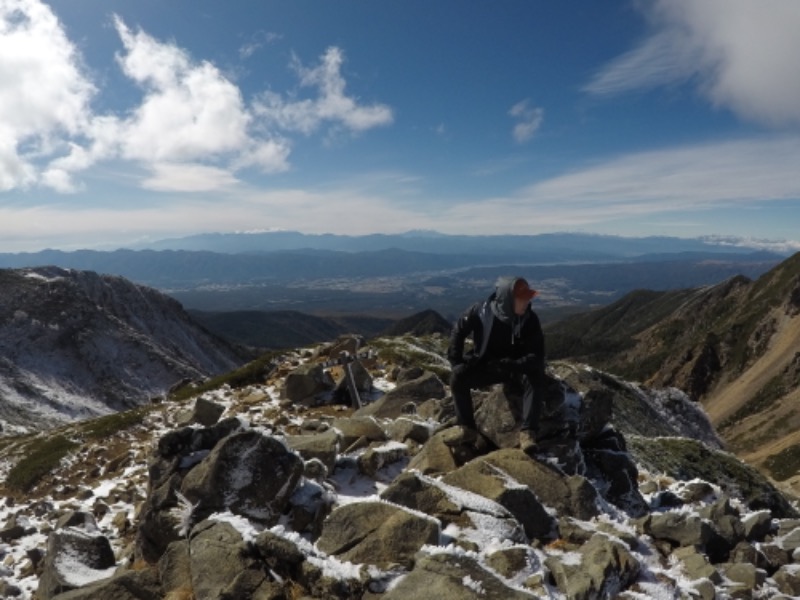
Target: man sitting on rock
[(508, 344)]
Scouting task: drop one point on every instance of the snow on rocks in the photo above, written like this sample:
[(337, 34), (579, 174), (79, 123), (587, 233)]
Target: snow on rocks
[(316, 499)]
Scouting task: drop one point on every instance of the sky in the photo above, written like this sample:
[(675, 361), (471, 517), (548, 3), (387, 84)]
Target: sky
[(123, 122)]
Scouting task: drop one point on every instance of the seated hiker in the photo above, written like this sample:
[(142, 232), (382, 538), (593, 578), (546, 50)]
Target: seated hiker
[(508, 344)]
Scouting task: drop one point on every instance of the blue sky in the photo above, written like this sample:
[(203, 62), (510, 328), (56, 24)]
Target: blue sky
[(127, 121)]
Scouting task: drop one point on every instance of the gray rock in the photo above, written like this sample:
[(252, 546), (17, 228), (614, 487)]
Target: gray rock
[(322, 446), (451, 577), (487, 480), (757, 525), (310, 503), (308, 381), (434, 457), (424, 494), (376, 533), (248, 473), (404, 428), (696, 564), (570, 495), (376, 458), (511, 561), (174, 567), (357, 427), (788, 580), (392, 404), (215, 557), (743, 573), (70, 551), (128, 585), (790, 541), (605, 569), (679, 528), (205, 412)]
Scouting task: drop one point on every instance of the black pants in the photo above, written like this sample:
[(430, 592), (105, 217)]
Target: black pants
[(466, 379)]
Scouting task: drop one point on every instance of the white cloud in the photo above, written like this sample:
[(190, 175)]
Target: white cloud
[(332, 105), (742, 54), (529, 119), (44, 96), (183, 177), (681, 180), (190, 119), (258, 41)]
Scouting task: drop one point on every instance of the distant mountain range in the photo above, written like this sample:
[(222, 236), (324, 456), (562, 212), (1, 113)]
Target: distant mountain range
[(540, 248), (734, 346), (391, 277)]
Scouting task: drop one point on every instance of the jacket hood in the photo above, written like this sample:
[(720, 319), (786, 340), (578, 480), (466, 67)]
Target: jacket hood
[(502, 301)]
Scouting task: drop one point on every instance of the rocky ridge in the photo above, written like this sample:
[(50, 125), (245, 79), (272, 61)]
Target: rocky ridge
[(75, 344), (732, 346), (342, 477)]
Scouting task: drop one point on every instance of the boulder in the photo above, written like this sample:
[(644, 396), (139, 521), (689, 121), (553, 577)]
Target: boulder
[(451, 577), (405, 428), (308, 381), (248, 473), (605, 568), (128, 585), (323, 446), (205, 412), (353, 428), (678, 528), (569, 495), (219, 544), (377, 533), (74, 558), (174, 568), (393, 404), (484, 479)]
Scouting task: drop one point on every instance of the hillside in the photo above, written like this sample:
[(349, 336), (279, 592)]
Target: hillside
[(732, 346), (74, 344), (291, 495)]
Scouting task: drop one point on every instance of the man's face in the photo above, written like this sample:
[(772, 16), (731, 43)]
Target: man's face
[(520, 306)]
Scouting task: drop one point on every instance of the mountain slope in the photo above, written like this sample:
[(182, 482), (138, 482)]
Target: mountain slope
[(733, 346), (75, 344), (260, 486)]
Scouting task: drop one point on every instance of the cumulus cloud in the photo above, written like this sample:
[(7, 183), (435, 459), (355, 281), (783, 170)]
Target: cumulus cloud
[(741, 54), (44, 95), (529, 119), (190, 120), (332, 105)]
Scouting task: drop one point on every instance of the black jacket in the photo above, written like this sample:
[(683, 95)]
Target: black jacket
[(498, 333)]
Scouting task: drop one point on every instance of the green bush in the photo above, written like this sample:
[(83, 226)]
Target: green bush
[(43, 455), (784, 464), (103, 427), (254, 372)]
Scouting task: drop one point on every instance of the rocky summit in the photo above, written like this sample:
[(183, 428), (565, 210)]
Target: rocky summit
[(339, 473)]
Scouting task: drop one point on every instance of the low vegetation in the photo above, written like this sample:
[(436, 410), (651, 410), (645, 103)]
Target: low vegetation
[(783, 465), (43, 454), (254, 372)]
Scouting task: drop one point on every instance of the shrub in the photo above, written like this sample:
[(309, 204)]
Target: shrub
[(43, 455)]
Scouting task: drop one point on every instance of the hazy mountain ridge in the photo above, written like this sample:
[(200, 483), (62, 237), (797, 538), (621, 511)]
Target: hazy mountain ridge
[(76, 344), (367, 275), (549, 246), (733, 346)]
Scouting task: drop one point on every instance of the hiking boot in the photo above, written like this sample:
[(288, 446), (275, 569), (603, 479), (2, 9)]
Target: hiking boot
[(459, 436), (527, 441)]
